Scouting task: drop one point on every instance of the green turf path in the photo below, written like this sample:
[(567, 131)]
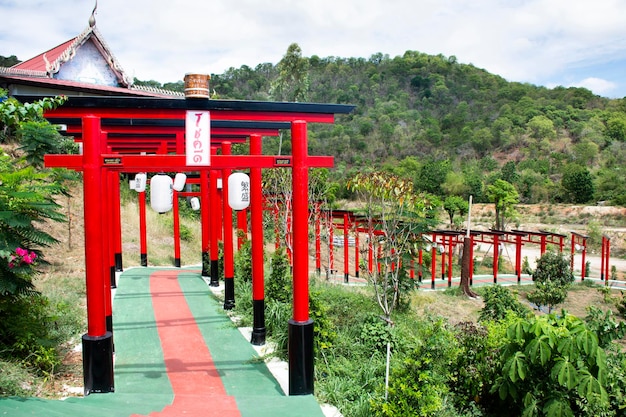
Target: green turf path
[(141, 382)]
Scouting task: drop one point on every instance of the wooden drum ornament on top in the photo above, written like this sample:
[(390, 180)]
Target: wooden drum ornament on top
[(197, 85)]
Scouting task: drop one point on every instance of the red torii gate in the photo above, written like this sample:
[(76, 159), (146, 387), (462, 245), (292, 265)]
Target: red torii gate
[(100, 158)]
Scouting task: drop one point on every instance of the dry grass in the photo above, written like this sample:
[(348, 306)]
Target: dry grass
[(160, 241)]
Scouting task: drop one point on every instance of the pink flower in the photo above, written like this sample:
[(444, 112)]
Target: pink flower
[(21, 257)]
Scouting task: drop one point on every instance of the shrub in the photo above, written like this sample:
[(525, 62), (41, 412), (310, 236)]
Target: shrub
[(421, 385), (552, 280), (551, 366), (243, 262), (499, 301), (605, 326), (323, 328), (375, 333), (14, 380), (278, 286), (25, 333)]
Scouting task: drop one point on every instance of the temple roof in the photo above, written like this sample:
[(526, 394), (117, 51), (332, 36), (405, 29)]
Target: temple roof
[(52, 60), (83, 64)]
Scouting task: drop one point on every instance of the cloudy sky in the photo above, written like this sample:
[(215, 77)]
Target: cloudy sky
[(542, 42)]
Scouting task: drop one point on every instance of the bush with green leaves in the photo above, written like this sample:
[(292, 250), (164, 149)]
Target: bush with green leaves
[(604, 324), (278, 285), (421, 385), (38, 138), (376, 333), (550, 366), (499, 301), (14, 114), (25, 332), (553, 278), (243, 262)]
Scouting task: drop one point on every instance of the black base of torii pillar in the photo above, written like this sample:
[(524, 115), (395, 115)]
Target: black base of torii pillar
[(98, 363)]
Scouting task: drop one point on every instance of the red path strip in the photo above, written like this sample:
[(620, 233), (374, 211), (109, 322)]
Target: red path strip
[(198, 388)]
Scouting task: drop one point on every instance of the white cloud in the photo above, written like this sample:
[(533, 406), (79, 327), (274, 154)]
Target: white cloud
[(521, 40), (597, 85)]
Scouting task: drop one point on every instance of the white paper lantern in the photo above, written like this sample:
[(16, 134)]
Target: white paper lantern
[(140, 182), (161, 193), (238, 191), (179, 181), (195, 203)]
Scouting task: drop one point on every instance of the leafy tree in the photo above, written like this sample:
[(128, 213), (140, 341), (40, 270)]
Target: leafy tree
[(504, 195), (616, 127), (540, 127), (278, 286), (578, 184), (421, 385), (292, 83), (399, 216), (8, 61), (553, 278), (432, 175), (396, 217), (509, 172), (453, 205), (455, 184), (586, 151)]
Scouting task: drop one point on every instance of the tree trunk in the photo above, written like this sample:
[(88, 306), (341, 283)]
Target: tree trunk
[(465, 269)]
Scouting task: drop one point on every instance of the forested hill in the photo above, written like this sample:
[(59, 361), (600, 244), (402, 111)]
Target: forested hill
[(452, 127)]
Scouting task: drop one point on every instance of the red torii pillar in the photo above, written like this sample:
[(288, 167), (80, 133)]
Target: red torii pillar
[(98, 342), (176, 226), (117, 222), (229, 267), (143, 244), (346, 249), (214, 225), (256, 212), (301, 371), (205, 219), (518, 257), (318, 240), (356, 249), (604, 260)]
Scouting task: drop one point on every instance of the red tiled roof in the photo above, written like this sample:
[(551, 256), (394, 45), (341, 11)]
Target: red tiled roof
[(38, 63)]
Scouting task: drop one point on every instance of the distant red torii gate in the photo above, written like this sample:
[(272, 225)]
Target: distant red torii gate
[(96, 163)]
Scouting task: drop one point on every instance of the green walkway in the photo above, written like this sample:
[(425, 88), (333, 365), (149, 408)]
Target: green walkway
[(142, 386)]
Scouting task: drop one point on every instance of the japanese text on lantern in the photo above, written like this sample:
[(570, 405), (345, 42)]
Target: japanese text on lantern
[(245, 191), (198, 138)]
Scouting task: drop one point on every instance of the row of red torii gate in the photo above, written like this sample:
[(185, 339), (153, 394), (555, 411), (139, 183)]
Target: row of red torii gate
[(345, 229), (127, 135), (342, 230)]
